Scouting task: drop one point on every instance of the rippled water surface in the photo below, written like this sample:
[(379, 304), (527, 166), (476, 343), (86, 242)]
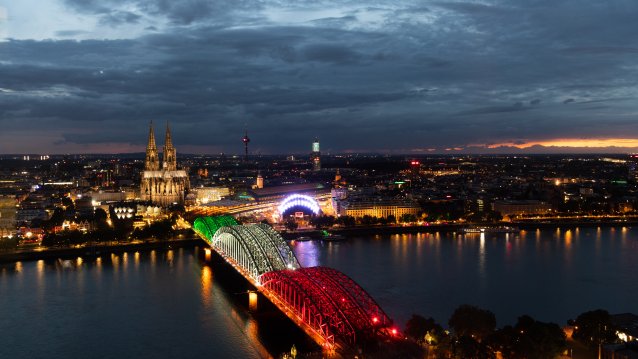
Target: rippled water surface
[(551, 275), (164, 304)]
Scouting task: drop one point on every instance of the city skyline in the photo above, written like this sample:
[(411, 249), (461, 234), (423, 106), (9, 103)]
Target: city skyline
[(413, 78)]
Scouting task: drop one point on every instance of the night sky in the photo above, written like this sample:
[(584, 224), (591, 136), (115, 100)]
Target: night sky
[(417, 77)]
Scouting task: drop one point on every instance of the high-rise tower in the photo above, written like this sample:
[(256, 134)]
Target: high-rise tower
[(169, 153), (152, 157), (315, 156), (245, 140)]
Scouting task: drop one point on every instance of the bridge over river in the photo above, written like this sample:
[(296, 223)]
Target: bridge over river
[(326, 304)]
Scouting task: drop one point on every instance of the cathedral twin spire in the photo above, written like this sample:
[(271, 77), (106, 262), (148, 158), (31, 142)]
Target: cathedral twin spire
[(168, 155)]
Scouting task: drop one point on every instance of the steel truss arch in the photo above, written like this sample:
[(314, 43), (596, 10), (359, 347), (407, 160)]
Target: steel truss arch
[(342, 304), (207, 226), (311, 304), (255, 248), (363, 309)]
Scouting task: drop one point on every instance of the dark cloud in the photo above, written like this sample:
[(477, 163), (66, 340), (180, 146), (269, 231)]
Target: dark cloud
[(367, 77), (182, 12), (70, 33), (600, 50), (337, 54), (116, 18), (495, 109)]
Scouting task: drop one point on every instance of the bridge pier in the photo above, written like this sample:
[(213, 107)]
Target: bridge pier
[(253, 297)]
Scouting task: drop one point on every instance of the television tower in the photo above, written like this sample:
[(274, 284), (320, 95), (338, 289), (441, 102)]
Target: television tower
[(245, 140)]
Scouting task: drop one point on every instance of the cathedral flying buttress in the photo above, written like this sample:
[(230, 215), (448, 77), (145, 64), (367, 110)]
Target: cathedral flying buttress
[(162, 183)]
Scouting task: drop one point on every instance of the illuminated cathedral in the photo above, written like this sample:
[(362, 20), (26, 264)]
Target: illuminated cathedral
[(163, 184)]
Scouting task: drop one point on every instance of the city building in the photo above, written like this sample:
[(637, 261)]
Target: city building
[(7, 215), (379, 208), (315, 156), (260, 181), (206, 195), (521, 207), (627, 324), (31, 209), (163, 185), (277, 193)]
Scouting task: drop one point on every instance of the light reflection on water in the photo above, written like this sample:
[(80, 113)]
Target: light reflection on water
[(143, 305), (553, 275), (149, 302)]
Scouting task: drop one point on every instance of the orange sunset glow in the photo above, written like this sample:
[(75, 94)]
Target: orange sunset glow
[(574, 142)]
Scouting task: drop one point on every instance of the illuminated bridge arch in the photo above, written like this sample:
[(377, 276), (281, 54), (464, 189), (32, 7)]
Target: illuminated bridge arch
[(206, 227), (255, 249), (330, 302), (299, 200)]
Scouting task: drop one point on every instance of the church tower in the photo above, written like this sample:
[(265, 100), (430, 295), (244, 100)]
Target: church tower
[(169, 154), (165, 185), (152, 157)]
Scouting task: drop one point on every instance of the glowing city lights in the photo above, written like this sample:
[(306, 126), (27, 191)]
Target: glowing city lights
[(299, 200)]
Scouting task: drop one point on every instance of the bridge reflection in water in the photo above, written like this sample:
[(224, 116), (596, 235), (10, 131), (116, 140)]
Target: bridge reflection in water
[(326, 304)]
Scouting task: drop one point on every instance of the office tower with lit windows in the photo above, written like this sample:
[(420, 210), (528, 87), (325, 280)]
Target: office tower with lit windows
[(315, 156)]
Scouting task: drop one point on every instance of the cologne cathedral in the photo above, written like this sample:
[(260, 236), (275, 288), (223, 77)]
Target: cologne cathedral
[(164, 184)]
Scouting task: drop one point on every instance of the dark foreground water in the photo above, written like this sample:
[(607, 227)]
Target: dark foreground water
[(171, 304)]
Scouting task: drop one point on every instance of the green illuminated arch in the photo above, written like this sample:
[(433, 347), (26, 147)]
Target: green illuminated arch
[(208, 226)]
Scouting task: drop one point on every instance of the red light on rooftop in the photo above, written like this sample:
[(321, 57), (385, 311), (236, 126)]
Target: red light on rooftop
[(394, 331), (375, 320)]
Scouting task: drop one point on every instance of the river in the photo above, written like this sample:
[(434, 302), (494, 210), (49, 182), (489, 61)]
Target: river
[(173, 304)]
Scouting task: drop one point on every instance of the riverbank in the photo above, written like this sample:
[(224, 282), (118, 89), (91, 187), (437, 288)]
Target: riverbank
[(451, 228), (572, 224), (357, 231), (96, 250)]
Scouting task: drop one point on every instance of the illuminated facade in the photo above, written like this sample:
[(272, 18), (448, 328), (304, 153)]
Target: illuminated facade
[(206, 195), (7, 215), (315, 156), (260, 181), (521, 207), (163, 184), (380, 209)]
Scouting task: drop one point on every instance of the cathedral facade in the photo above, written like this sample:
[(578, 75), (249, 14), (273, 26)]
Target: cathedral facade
[(162, 183)]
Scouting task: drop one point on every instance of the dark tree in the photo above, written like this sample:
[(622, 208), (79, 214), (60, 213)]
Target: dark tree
[(594, 327), (291, 225), (8, 244), (538, 340), (468, 320), (467, 347), (368, 220), (322, 221), (407, 218), (417, 328), (346, 221), (504, 340)]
